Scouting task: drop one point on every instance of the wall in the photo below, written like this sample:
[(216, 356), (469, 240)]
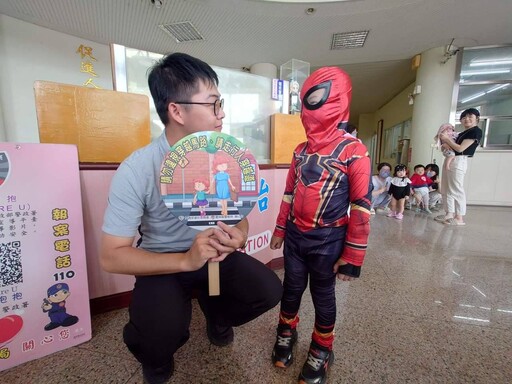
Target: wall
[(95, 185), (366, 127), (392, 113), (487, 180), (29, 53)]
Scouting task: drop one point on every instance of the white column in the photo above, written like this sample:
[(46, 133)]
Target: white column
[(433, 105)]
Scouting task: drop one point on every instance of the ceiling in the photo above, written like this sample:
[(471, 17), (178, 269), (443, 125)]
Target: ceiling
[(239, 33)]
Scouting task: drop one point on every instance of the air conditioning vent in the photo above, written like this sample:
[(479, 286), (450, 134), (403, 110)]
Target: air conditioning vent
[(348, 40), (182, 32)]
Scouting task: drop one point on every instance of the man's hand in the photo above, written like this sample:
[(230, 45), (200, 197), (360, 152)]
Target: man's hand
[(276, 242), (201, 251), (341, 276), (226, 239)]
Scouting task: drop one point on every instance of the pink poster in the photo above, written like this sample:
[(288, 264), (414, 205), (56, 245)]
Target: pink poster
[(44, 299), (262, 219)]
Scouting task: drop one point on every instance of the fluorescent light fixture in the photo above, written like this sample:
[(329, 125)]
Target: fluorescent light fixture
[(490, 62), (497, 87), (504, 310), (484, 72), (480, 94), (473, 97)]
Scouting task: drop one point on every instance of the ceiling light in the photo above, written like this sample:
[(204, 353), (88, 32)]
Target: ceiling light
[(473, 97), (497, 87), (157, 3), (480, 94), (348, 39), (484, 72), (490, 62)]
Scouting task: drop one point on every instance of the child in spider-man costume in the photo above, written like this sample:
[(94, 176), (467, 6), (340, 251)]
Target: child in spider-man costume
[(329, 173)]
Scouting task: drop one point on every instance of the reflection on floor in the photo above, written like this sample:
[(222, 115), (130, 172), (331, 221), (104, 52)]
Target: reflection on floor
[(433, 305)]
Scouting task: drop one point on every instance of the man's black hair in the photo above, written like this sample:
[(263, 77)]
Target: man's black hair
[(176, 77)]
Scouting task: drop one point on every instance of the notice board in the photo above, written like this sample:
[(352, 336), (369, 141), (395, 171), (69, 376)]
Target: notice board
[(105, 125), (44, 298)]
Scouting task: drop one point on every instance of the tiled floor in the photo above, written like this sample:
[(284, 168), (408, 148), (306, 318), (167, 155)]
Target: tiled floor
[(433, 305)]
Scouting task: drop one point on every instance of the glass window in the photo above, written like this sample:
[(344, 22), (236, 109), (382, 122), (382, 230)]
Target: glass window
[(247, 102), (499, 132), (486, 84), (486, 64), (393, 137)]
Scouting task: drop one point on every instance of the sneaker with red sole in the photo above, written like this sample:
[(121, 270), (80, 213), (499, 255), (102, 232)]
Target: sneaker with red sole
[(316, 366), (282, 354)]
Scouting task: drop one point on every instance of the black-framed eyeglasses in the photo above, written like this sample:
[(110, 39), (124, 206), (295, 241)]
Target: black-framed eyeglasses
[(217, 105)]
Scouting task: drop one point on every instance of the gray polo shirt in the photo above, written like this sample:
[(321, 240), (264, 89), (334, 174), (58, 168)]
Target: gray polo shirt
[(135, 199)]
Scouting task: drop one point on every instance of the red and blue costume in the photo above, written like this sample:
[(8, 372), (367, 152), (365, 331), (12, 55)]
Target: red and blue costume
[(329, 173)]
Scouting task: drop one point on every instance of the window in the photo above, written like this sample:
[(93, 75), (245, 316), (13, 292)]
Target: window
[(248, 104), (486, 84), (392, 138)]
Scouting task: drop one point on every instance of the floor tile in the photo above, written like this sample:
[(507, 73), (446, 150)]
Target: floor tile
[(433, 305)]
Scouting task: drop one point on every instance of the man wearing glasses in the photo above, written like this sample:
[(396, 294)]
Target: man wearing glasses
[(170, 260)]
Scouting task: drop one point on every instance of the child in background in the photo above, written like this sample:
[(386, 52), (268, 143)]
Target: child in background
[(420, 183), (399, 189), (447, 152)]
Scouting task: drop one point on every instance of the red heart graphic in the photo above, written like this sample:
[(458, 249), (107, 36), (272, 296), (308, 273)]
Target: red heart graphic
[(9, 327)]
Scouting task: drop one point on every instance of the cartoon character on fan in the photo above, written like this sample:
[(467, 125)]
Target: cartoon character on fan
[(222, 181), (55, 306), (201, 188)]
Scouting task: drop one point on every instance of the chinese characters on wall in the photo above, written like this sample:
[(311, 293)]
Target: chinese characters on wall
[(87, 65)]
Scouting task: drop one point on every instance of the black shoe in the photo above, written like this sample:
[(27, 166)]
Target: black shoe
[(219, 335), (282, 355), (158, 375), (51, 325), (316, 366), (70, 320)]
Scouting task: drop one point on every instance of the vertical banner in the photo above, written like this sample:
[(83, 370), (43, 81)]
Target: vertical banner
[(44, 298)]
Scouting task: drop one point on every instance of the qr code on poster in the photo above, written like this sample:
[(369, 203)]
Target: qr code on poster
[(10, 263)]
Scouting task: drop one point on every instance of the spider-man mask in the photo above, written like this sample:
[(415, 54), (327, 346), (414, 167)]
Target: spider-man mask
[(325, 104)]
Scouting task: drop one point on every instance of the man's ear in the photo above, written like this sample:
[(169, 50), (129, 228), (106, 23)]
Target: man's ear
[(175, 112)]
